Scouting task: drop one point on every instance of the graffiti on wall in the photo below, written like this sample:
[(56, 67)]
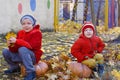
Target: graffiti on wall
[(32, 6)]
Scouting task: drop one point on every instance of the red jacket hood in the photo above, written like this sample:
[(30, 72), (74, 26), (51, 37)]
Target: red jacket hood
[(88, 25), (37, 26)]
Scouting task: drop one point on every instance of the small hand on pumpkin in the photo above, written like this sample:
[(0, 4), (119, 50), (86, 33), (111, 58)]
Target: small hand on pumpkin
[(86, 57)]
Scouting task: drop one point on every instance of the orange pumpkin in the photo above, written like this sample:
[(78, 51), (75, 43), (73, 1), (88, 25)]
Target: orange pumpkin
[(40, 68), (79, 69)]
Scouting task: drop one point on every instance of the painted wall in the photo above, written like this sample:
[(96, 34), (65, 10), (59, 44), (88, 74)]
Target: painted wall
[(13, 10)]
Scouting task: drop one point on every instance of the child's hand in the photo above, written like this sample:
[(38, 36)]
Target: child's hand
[(95, 52), (86, 57), (12, 40), (8, 42)]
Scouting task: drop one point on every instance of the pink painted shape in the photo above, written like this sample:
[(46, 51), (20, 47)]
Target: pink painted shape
[(20, 8)]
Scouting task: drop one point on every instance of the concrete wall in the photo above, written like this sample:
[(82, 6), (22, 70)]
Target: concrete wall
[(10, 15)]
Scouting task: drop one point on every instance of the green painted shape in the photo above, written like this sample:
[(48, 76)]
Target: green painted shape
[(48, 4)]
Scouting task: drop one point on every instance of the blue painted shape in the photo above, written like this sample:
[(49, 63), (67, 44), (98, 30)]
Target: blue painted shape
[(33, 5)]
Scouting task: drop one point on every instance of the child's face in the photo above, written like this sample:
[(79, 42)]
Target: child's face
[(88, 32), (27, 25)]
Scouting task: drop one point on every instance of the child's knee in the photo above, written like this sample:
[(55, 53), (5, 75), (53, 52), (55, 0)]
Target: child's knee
[(21, 49), (5, 52)]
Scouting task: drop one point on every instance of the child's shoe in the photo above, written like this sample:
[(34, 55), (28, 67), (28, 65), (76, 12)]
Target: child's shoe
[(9, 71), (30, 76)]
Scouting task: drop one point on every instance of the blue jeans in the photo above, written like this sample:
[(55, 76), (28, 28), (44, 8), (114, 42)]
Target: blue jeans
[(24, 56), (99, 69)]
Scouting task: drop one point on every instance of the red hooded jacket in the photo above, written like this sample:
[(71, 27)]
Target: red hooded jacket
[(87, 46), (31, 40)]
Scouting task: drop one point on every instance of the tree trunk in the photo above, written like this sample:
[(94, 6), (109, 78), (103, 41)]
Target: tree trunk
[(93, 14), (85, 10), (99, 8), (74, 10)]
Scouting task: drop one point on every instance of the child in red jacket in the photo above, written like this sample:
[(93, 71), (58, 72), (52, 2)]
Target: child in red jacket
[(87, 45), (26, 49)]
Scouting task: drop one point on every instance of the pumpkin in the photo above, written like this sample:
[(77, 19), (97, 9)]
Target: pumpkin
[(91, 63), (79, 69), (40, 69)]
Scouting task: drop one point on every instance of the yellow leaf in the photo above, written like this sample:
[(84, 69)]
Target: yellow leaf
[(9, 35)]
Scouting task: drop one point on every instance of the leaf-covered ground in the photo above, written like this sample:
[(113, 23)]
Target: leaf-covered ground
[(54, 44)]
